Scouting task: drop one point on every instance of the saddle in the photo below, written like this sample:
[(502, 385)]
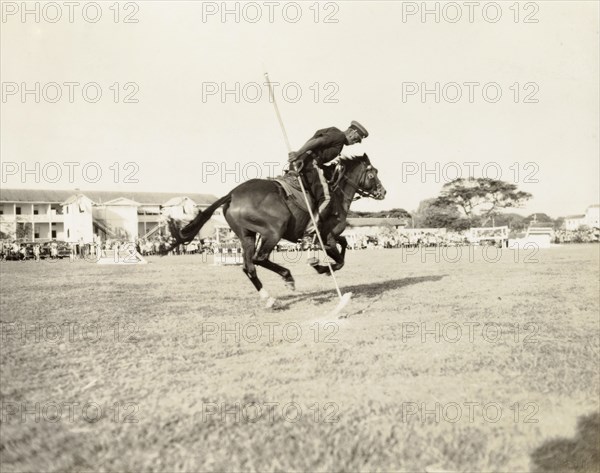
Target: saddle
[(290, 185)]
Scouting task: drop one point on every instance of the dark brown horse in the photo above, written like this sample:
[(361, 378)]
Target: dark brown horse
[(259, 208)]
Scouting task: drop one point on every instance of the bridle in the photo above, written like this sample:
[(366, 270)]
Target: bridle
[(339, 176)]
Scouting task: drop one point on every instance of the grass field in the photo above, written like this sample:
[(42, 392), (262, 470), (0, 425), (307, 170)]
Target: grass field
[(174, 366)]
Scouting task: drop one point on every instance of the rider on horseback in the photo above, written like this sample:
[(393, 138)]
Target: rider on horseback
[(324, 146)]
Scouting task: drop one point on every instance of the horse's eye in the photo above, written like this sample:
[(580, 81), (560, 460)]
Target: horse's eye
[(370, 175)]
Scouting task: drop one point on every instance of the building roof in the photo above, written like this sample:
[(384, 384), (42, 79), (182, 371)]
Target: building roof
[(122, 201), (376, 222), (575, 216), (75, 198), (47, 196), (176, 201)]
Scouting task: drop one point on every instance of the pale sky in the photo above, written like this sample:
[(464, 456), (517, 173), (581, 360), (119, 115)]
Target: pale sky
[(181, 138)]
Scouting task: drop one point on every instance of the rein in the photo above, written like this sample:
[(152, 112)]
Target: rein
[(354, 184)]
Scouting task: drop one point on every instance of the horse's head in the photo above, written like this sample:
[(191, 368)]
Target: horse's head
[(360, 173)]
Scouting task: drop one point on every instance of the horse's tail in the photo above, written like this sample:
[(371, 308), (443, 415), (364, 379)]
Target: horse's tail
[(187, 233)]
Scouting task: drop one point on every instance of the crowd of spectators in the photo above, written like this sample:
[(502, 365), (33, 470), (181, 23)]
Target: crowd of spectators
[(21, 251), (581, 235), (14, 250), (408, 240)]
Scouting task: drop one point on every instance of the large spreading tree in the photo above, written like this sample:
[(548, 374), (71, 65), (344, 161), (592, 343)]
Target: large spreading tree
[(392, 213), (431, 215), (480, 199)]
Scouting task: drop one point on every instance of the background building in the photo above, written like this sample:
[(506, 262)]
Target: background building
[(81, 216), (590, 219)]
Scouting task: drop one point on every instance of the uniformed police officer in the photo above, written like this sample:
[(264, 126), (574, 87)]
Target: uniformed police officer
[(324, 146)]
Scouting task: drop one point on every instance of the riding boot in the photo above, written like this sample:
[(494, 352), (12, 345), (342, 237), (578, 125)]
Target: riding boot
[(321, 220)]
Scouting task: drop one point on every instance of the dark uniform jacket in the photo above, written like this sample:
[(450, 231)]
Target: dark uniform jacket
[(333, 141)]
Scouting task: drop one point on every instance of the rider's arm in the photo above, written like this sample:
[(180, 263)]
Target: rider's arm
[(309, 147), (321, 139), (312, 144)]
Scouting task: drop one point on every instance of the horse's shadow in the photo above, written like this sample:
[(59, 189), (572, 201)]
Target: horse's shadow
[(374, 290), (571, 455)]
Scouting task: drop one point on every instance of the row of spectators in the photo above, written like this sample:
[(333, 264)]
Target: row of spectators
[(583, 235), (428, 239), (13, 250), (412, 240)]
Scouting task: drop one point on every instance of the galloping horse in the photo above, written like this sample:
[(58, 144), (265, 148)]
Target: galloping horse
[(258, 208)]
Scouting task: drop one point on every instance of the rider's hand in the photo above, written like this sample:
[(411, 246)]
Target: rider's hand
[(298, 165), (292, 156)]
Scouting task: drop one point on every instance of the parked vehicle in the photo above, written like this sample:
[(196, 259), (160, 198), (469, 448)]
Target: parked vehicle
[(63, 249)]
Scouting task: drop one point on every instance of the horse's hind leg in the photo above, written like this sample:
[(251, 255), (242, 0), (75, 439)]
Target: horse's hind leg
[(248, 241), (281, 270), (262, 259)]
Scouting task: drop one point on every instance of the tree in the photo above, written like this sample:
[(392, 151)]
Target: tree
[(431, 215), (540, 218), (481, 197), (393, 213), (24, 231), (558, 223), (513, 221)]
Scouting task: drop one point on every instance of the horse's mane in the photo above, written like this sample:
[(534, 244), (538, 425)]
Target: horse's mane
[(342, 164), (363, 158), (354, 160)]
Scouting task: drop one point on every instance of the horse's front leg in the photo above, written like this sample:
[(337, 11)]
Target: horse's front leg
[(333, 252), (344, 244)]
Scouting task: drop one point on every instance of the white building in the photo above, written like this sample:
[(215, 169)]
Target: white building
[(592, 216), (79, 217), (590, 219)]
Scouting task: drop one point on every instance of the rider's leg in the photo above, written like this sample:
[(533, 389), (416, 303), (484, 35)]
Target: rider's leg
[(315, 188), (324, 201)]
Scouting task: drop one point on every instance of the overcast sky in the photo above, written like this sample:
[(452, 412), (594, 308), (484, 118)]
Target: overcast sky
[(365, 61)]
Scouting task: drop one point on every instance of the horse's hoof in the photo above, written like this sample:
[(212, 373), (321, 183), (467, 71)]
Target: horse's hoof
[(291, 285), (313, 261), (270, 303), (322, 270)]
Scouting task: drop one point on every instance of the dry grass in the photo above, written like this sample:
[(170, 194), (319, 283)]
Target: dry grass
[(166, 368)]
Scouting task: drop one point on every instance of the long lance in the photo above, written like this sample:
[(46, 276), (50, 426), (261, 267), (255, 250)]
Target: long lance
[(344, 298)]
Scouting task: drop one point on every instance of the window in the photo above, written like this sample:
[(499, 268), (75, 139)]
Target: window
[(18, 210), (36, 212), (53, 233), (36, 235), (68, 233), (1, 211)]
